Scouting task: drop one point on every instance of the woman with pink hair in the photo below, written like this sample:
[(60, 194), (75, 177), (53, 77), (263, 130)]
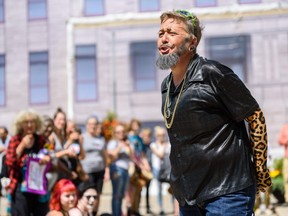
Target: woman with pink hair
[(63, 198)]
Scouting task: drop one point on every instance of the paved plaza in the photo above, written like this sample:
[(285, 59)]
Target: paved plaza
[(105, 205)]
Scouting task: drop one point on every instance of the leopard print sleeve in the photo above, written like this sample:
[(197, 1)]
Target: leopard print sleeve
[(258, 137)]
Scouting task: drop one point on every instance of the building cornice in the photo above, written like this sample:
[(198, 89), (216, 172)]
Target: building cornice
[(236, 11)]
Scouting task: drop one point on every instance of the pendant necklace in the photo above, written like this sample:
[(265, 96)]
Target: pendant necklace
[(167, 105)]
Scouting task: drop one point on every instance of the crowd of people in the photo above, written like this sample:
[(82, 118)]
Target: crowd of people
[(55, 168), (218, 152)]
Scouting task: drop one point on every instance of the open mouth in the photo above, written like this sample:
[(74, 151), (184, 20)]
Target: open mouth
[(164, 50)]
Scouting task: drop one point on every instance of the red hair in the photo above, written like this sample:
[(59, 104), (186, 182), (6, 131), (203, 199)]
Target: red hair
[(64, 185)]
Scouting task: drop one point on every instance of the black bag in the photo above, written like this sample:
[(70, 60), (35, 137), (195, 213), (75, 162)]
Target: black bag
[(4, 170), (165, 169)]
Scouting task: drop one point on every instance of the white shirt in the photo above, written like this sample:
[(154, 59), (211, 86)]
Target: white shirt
[(156, 161)]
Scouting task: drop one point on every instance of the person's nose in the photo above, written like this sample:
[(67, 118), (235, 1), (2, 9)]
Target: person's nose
[(164, 38), (72, 198)]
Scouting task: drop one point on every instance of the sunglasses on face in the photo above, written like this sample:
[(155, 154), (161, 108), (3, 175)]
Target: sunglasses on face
[(88, 197)]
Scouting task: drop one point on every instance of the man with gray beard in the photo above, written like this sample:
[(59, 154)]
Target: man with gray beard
[(217, 167), (168, 61)]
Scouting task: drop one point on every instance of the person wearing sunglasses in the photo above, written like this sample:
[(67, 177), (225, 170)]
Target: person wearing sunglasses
[(217, 167), (87, 196), (26, 144)]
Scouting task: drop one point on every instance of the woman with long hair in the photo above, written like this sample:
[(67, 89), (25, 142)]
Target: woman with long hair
[(58, 138)]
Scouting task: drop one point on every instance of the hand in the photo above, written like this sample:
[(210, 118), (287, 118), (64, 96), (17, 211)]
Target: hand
[(70, 152), (122, 144), (27, 141), (46, 159), (74, 175)]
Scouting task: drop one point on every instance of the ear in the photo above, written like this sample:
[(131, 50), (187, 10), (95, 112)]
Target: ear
[(193, 42)]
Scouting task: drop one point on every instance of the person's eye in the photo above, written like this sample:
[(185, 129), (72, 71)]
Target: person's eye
[(160, 34)]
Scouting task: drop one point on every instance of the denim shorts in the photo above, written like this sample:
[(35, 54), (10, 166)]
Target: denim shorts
[(239, 203)]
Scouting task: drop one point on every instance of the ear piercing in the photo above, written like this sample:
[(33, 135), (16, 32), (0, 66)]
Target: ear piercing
[(191, 48)]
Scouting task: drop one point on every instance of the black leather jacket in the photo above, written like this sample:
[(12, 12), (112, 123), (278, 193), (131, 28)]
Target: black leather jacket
[(210, 149)]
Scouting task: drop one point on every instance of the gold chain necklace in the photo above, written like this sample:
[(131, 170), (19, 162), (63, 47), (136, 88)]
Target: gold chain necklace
[(167, 112)]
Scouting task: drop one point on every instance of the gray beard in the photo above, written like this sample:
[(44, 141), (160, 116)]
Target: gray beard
[(168, 61), (165, 62)]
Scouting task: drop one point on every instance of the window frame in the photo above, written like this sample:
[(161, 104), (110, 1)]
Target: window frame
[(93, 14), (133, 67), (47, 85), (249, 1), (196, 2), (149, 10), (76, 81), (31, 2), (230, 60)]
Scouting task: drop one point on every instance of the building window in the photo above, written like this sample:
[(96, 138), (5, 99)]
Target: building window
[(39, 81), (205, 3), (37, 9), (249, 1), (1, 11), (94, 7), (149, 5), (2, 81), (86, 73), (231, 51), (143, 55)]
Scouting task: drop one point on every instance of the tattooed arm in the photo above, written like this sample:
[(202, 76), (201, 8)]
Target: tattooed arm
[(258, 137)]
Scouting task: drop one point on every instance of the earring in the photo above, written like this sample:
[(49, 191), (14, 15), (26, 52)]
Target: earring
[(191, 48)]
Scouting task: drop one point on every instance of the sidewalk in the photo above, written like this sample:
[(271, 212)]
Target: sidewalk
[(105, 205)]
